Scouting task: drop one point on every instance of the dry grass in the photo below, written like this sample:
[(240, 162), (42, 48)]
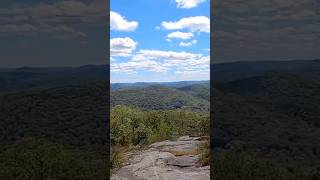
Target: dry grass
[(204, 150)]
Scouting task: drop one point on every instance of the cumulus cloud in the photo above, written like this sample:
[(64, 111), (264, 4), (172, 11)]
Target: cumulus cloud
[(59, 31), (281, 29), (180, 35), (188, 43), (171, 55), (18, 28), (185, 44), (67, 12), (59, 20), (269, 10), (163, 61), (122, 46), (196, 23), (119, 23), (191, 73), (133, 66), (188, 3)]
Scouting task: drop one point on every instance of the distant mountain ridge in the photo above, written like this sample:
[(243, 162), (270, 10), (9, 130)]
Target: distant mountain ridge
[(26, 77), (177, 84), (158, 97), (228, 72)]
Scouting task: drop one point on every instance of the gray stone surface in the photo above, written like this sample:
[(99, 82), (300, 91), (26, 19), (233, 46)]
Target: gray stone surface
[(161, 162)]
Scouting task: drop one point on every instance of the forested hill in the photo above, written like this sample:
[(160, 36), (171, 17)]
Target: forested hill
[(228, 72), (161, 98), (178, 84), (198, 90), (274, 116), (53, 123), (27, 77)]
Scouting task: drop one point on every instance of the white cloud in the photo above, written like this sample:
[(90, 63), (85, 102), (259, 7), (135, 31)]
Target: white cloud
[(193, 72), (163, 61), (57, 20), (188, 43), (185, 44), (18, 28), (58, 31), (68, 11), (170, 55), (180, 35), (134, 66), (196, 23), (188, 3), (122, 46), (118, 23), (189, 64)]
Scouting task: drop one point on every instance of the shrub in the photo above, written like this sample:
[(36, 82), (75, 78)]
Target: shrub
[(231, 165), (41, 159), (130, 126), (204, 151), (116, 157)]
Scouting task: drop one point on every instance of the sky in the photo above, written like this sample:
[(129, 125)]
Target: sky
[(50, 33), (156, 40), (159, 40), (255, 30)]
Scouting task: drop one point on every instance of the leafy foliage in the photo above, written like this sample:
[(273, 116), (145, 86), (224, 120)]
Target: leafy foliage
[(131, 126), (274, 116), (40, 159), (74, 115), (158, 98), (230, 165), (54, 132), (198, 90), (134, 126)]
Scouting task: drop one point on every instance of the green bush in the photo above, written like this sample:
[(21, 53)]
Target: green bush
[(130, 126), (116, 158), (37, 159), (229, 165), (204, 151)]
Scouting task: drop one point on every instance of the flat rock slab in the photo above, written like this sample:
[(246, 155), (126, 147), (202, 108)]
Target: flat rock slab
[(183, 161), (179, 148), (160, 162), (188, 138)]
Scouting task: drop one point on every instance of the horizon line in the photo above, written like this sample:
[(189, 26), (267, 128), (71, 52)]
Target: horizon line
[(106, 64), (133, 82)]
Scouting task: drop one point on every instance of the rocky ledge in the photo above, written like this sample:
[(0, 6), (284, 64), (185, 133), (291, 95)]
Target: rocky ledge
[(167, 160)]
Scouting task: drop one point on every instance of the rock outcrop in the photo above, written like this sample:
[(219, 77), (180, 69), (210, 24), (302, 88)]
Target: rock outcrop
[(167, 160)]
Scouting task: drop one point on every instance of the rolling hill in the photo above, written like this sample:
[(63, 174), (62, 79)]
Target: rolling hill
[(57, 131), (72, 115), (27, 77), (274, 115), (198, 90), (227, 72), (178, 84), (158, 98)]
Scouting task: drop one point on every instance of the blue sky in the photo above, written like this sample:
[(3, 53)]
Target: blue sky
[(51, 33), (159, 40), (72, 33)]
